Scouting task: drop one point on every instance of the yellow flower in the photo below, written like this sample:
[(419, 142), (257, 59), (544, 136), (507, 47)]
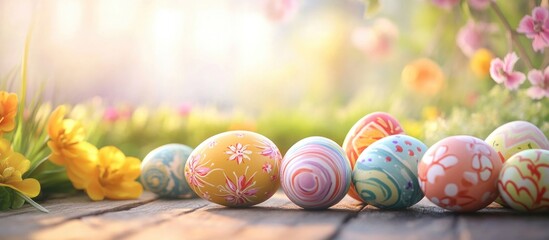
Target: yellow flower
[(423, 76), (12, 167), (69, 148), (115, 176), (413, 128), (480, 62), (8, 110), (430, 113)]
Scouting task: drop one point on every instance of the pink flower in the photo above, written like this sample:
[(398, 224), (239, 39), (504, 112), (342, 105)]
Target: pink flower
[(446, 4), (111, 114), (196, 172), (502, 71), (281, 10), (267, 168), (540, 83), (240, 191), (472, 36), (184, 109), (377, 40), (536, 27), (480, 4), (238, 152), (269, 150)]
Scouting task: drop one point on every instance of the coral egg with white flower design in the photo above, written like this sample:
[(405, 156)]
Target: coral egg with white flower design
[(234, 169), (460, 173)]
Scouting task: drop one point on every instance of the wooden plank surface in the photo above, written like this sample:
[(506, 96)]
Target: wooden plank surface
[(277, 218)]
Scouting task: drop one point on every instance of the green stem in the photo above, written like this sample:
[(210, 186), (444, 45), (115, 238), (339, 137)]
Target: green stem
[(514, 37), (33, 151), (35, 166), (33, 203)]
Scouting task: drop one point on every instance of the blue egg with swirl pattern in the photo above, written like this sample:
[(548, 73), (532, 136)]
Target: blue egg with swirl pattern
[(385, 174), (163, 171)]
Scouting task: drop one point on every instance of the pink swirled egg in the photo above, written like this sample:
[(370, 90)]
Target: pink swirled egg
[(315, 174), (460, 173)]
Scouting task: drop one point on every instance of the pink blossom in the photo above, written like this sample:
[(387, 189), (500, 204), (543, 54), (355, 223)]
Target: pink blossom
[(540, 83), (377, 40), (184, 109), (536, 27), (480, 4), (472, 36), (446, 4), (196, 172), (111, 114), (267, 167), (238, 152), (281, 10), (502, 71), (239, 191)]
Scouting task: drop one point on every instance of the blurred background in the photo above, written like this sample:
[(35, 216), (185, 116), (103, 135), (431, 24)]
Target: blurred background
[(207, 52), (145, 73)]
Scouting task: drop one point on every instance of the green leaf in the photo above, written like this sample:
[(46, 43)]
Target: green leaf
[(33, 203), (371, 7), (17, 201), (5, 199)]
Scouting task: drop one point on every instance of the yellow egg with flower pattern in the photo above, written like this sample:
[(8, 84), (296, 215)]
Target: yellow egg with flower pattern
[(234, 169)]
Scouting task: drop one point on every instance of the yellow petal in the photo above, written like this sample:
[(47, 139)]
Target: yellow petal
[(124, 190), (30, 187), (79, 181), (82, 172), (7, 125), (5, 147), (111, 156), (131, 168), (57, 159), (95, 191), (19, 162), (55, 121)]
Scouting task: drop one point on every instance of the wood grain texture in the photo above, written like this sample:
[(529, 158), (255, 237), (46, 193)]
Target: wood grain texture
[(22, 223), (277, 218)]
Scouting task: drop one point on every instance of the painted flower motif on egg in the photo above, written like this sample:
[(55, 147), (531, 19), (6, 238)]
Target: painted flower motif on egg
[(460, 173), (234, 169), (366, 131), (385, 174), (524, 180), (162, 171), (315, 174)]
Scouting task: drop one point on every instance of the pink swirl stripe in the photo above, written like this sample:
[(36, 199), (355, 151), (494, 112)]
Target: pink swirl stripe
[(315, 173)]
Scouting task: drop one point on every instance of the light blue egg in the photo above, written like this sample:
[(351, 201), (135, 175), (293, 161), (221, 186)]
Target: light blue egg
[(385, 174), (163, 171)]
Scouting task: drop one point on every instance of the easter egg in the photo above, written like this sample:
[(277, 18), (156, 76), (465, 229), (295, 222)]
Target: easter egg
[(460, 173), (315, 174), (385, 173), (524, 180), (366, 131), (162, 171), (513, 137), (234, 169)]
